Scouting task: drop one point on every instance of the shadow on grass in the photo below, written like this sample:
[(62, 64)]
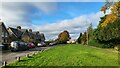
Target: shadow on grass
[(29, 58)]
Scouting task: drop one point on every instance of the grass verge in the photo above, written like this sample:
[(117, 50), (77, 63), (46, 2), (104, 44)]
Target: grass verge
[(71, 55)]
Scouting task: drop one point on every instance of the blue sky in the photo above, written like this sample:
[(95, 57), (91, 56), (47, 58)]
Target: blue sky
[(51, 18), (67, 10)]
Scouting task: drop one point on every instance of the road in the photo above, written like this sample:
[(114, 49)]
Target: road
[(10, 57)]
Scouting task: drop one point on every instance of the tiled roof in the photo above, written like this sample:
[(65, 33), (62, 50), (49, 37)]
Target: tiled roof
[(20, 32), (36, 35), (23, 30), (16, 32)]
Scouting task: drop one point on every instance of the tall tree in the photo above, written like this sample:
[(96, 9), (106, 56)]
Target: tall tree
[(108, 30), (84, 39), (90, 32), (79, 40)]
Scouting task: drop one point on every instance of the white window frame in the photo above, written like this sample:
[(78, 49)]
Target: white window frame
[(2, 35), (2, 40), (6, 40), (6, 35)]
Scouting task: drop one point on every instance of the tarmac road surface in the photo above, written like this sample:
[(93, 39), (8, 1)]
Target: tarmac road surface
[(10, 57)]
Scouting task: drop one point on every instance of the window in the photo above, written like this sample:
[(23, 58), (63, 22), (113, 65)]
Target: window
[(6, 35), (6, 41), (2, 34), (2, 40)]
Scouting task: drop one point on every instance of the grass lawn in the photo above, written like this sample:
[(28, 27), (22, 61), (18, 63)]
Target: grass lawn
[(71, 55)]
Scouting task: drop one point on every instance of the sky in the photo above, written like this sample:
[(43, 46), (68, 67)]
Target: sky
[(51, 18)]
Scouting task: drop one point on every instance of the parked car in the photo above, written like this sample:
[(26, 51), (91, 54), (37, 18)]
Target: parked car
[(52, 43), (1, 47), (41, 44), (31, 45), (17, 46)]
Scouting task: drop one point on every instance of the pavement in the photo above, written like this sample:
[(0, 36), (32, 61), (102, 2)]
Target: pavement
[(10, 57)]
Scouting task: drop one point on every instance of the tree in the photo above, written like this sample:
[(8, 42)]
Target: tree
[(90, 32), (84, 40), (64, 36), (108, 30), (107, 5), (79, 40)]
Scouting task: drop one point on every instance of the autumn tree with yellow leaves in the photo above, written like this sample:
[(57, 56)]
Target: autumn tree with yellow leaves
[(108, 30), (63, 37)]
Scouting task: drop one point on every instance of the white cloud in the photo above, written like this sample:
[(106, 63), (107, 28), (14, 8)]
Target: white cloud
[(14, 14), (74, 26), (46, 6), (19, 13)]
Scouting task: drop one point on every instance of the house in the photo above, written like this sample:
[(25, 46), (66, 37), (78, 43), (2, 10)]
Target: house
[(37, 37), (27, 35), (14, 34), (4, 35), (18, 34), (42, 37)]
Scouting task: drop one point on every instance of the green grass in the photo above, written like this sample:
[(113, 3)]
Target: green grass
[(71, 55)]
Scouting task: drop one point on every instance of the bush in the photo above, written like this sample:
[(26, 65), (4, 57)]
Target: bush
[(117, 47), (101, 45)]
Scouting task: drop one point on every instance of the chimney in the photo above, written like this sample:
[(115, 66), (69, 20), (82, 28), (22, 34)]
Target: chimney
[(37, 32), (30, 30), (18, 27)]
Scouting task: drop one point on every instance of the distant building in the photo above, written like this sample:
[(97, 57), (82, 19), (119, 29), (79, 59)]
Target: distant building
[(4, 35), (71, 41)]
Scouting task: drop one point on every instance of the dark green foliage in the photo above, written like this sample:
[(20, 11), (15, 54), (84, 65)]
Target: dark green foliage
[(109, 34), (102, 19), (108, 30), (79, 40), (101, 45), (90, 32), (84, 39)]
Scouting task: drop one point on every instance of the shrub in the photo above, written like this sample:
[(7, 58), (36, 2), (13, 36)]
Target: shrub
[(101, 45)]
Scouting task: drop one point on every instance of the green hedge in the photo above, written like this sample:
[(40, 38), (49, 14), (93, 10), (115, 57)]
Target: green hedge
[(101, 45)]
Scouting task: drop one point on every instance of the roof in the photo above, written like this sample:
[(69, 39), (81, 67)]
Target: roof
[(36, 35), (20, 32), (16, 32), (2, 24), (23, 30), (31, 34)]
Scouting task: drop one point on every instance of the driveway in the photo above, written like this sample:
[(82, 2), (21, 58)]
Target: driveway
[(11, 56)]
